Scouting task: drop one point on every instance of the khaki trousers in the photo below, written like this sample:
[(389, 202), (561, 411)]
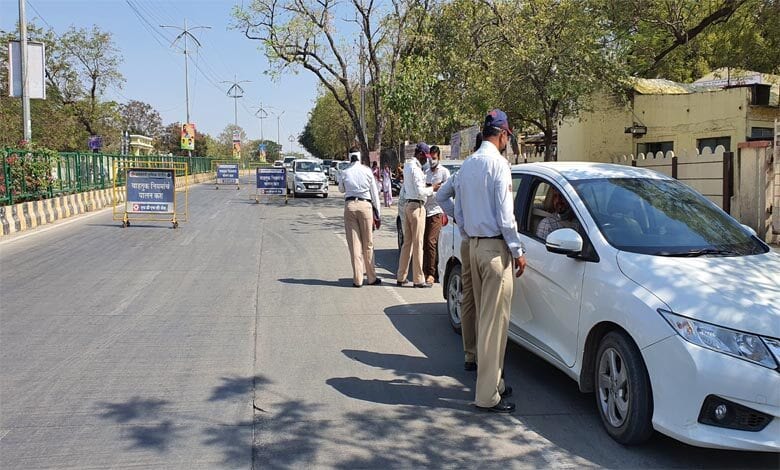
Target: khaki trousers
[(492, 283), (468, 310), (414, 225), (358, 224), (430, 246)]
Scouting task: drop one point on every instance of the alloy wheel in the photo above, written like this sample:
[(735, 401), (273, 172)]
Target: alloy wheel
[(613, 389)]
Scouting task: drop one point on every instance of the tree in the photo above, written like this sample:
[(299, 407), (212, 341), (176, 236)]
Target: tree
[(298, 34), (141, 118), (329, 132)]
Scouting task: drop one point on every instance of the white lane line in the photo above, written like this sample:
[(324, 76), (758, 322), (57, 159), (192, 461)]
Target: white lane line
[(57, 224), (321, 215)]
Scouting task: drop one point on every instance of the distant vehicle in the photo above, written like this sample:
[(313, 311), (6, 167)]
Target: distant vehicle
[(306, 177), (288, 161), (333, 169), (651, 297), (452, 165), (279, 164), (326, 166), (340, 166)]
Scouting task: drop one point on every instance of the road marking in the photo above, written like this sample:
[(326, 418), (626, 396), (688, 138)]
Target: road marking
[(321, 215)]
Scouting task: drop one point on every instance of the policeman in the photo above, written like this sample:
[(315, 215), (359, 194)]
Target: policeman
[(362, 198), (484, 209), (435, 176), (416, 193)]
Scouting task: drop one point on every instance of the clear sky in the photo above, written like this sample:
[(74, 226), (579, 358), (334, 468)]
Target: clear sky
[(155, 71)]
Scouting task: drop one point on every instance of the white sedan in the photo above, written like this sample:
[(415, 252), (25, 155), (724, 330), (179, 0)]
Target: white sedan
[(654, 299)]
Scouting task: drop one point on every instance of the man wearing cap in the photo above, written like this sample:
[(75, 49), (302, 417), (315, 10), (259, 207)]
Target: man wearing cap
[(416, 193), (362, 197), (485, 210)]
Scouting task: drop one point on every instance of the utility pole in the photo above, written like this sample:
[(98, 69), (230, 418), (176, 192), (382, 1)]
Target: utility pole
[(363, 91), (261, 114), (237, 92), (185, 33), (27, 124), (278, 138)]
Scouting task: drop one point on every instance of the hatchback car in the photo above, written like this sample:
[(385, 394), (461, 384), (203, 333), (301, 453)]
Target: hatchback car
[(307, 177), (653, 298)]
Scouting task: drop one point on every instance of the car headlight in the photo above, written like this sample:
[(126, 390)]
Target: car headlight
[(746, 346)]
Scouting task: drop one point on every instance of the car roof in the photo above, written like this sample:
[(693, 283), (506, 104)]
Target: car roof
[(573, 171)]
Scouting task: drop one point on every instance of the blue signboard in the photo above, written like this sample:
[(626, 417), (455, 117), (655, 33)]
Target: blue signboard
[(227, 173), (271, 181), (150, 191)]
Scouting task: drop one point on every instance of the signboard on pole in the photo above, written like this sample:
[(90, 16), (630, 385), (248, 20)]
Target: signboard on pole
[(272, 181), (236, 149), (188, 136), (36, 68), (150, 191), (227, 173)]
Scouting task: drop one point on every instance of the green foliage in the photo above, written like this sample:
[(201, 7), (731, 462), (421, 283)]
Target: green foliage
[(29, 173), (329, 132)]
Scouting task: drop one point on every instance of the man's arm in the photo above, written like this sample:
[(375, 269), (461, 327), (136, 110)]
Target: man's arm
[(374, 192), (419, 182), (445, 197), (341, 182)]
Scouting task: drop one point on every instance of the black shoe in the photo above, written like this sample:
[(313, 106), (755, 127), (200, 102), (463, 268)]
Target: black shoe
[(507, 391), (356, 285), (500, 407), (470, 365), (377, 282), (423, 285)]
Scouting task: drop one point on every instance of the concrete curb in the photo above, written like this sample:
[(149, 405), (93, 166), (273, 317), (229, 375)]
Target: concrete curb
[(28, 215)]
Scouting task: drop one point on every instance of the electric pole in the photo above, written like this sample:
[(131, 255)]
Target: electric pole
[(278, 138), (27, 124), (261, 114), (237, 92), (363, 91), (185, 33)]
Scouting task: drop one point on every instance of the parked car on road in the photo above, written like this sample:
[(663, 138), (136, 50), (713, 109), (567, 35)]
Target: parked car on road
[(278, 163), (332, 169), (657, 301), (306, 177), (340, 166), (288, 162)]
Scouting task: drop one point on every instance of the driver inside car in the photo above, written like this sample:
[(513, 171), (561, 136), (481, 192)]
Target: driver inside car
[(562, 217)]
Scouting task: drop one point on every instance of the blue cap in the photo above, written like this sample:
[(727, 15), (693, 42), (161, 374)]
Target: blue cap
[(423, 147), (497, 118)]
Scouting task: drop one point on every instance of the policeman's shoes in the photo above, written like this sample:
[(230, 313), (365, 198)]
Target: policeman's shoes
[(502, 406), (424, 285)]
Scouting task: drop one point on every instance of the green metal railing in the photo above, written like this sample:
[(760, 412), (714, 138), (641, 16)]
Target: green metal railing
[(31, 175)]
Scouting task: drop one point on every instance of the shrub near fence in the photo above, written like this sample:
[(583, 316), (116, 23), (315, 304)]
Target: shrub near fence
[(34, 174)]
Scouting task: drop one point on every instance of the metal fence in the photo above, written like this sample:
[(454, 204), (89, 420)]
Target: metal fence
[(31, 175)]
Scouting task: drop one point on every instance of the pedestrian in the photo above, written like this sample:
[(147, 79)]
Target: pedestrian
[(445, 196), (375, 171), (415, 194), (485, 209), (387, 185), (435, 176), (361, 200)]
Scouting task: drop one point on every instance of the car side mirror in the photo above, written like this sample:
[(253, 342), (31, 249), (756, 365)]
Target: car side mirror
[(564, 241)]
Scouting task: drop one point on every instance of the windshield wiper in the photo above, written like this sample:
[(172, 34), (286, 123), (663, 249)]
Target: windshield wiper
[(695, 253)]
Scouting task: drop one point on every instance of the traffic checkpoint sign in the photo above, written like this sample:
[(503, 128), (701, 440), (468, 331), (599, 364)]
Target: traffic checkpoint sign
[(227, 173), (150, 191), (271, 182)]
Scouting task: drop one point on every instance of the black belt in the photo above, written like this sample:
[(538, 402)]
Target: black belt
[(419, 201), (353, 198), (497, 237)]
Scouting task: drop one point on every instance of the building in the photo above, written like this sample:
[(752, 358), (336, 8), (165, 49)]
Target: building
[(140, 145), (726, 108)]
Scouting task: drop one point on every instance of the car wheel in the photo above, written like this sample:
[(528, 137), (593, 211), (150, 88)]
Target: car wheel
[(400, 231), (623, 395), (325, 195), (454, 297)]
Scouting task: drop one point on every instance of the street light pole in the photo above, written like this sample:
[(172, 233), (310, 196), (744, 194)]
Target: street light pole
[(185, 33), (278, 134), (27, 124), (238, 92)]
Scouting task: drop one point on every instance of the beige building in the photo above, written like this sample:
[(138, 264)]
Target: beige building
[(140, 145), (659, 115)]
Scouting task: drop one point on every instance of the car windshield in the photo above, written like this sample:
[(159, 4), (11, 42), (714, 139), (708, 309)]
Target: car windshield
[(307, 166), (343, 165), (663, 217), (335, 163), (452, 167)]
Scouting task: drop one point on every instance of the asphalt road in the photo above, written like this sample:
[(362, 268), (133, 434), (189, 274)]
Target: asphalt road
[(237, 341)]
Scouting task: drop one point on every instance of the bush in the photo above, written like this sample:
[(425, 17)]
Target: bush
[(26, 173)]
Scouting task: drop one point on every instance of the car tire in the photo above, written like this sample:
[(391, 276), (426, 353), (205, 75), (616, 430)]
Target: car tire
[(624, 398), (325, 195), (454, 297), (400, 231)]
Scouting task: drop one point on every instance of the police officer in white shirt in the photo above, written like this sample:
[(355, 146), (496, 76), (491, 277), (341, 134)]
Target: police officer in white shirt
[(362, 198), (435, 176), (416, 194), (485, 209)]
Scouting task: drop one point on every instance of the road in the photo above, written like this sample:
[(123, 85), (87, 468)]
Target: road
[(237, 341)]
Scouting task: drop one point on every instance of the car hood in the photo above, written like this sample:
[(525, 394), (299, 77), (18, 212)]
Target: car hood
[(739, 292), (310, 175)]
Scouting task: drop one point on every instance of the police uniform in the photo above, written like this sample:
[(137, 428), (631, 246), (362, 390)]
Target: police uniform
[(416, 194), (361, 198)]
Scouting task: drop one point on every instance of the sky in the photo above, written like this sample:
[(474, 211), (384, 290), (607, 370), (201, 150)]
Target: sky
[(154, 71)]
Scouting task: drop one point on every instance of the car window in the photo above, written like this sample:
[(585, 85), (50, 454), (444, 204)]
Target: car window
[(662, 217), (549, 210), (307, 166)]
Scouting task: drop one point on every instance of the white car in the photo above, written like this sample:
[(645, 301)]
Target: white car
[(340, 166), (306, 177), (658, 301)]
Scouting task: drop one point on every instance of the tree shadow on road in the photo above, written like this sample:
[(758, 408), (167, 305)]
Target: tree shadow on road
[(236, 386)]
